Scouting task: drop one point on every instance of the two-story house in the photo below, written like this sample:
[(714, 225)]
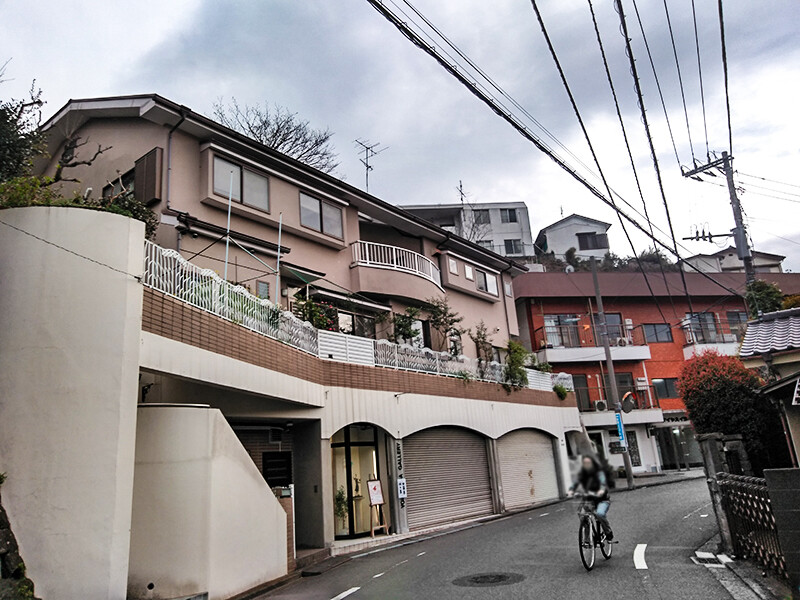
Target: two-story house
[(558, 319), (193, 396), (589, 237)]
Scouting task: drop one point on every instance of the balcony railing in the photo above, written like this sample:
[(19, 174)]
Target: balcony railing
[(383, 256), (583, 335), (597, 398), (712, 331), (168, 272)]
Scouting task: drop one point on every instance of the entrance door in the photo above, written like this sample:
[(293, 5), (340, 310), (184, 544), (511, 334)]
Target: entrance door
[(527, 468), (355, 461)]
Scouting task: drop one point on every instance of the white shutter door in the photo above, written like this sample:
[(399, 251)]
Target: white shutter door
[(527, 468), (448, 476)]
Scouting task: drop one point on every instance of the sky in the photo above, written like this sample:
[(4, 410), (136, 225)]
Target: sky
[(340, 65)]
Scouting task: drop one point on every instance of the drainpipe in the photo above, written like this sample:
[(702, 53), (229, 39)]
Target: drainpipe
[(183, 112), (502, 293)]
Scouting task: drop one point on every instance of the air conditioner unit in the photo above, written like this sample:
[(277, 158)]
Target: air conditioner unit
[(622, 341), (600, 405)]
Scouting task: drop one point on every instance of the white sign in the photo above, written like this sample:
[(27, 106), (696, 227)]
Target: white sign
[(402, 491), (796, 399), (375, 492)]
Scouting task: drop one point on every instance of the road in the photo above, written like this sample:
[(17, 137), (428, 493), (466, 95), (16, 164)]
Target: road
[(539, 548)]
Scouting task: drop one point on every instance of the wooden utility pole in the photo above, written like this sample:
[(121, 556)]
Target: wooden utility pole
[(612, 377)]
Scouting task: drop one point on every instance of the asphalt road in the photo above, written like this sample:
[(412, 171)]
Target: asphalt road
[(541, 547)]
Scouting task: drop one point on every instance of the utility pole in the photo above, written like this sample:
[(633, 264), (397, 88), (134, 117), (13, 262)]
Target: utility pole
[(369, 151), (740, 231), (612, 377)]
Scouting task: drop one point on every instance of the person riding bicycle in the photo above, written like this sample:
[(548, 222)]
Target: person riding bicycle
[(593, 480)]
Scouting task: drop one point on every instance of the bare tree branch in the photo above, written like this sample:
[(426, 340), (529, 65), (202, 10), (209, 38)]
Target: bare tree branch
[(69, 159), (281, 130)]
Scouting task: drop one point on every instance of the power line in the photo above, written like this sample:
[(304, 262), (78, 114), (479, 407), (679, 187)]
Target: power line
[(497, 107), (632, 161), (725, 73), (658, 83), (740, 174), (680, 78), (637, 86), (700, 73)]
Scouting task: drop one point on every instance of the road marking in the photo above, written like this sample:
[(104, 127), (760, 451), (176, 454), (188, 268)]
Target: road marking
[(700, 554), (703, 516), (401, 562), (420, 554), (544, 514), (638, 556), (559, 510), (724, 558), (697, 510), (376, 576), (346, 594)]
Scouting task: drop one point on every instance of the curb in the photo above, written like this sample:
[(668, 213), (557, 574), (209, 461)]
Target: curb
[(649, 484)]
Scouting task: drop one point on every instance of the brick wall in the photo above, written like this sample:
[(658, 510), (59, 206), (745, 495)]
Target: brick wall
[(286, 503), (171, 318)]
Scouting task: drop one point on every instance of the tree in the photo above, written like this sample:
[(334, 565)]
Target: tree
[(763, 297), (20, 138), (404, 326), (515, 376), (720, 394), (443, 319), (483, 346), (280, 129)]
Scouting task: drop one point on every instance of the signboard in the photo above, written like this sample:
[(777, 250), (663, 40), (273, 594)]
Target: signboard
[(402, 490), (621, 431), (375, 492), (796, 398), (615, 448)]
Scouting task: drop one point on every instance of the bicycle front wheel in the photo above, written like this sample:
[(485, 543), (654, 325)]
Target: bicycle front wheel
[(586, 544)]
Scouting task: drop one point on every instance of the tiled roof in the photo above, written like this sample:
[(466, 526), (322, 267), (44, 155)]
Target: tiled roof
[(773, 332)]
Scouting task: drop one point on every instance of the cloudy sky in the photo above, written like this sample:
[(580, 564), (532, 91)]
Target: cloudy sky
[(340, 64)]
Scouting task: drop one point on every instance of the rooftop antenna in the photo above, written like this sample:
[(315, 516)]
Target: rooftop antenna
[(369, 150), (461, 191)]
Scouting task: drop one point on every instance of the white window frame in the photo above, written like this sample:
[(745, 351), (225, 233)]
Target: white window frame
[(469, 273), (452, 265), (238, 194), (321, 204)]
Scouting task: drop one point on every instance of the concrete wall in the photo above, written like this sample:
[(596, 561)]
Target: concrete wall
[(69, 362), (204, 519)]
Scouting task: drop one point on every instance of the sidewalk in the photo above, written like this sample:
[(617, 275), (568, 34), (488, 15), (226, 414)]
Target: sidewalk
[(654, 479)]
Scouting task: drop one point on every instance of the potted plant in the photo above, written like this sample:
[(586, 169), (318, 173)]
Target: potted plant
[(340, 509)]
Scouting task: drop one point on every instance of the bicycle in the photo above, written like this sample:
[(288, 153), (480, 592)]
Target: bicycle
[(590, 533)]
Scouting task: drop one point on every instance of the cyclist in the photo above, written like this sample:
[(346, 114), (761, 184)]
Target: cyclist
[(594, 482)]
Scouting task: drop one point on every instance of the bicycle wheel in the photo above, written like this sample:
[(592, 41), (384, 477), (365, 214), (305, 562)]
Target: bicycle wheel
[(605, 546), (586, 544)]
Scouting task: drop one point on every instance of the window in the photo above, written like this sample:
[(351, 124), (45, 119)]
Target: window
[(737, 322), (613, 326), (321, 216), (125, 181), (703, 327), (624, 385), (254, 186), (582, 392), (262, 289), (657, 332), (508, 290), (453, 265), (468, 272), (277, 468), (561, 331), (592, 241), (485, 244), (481, 217), (513, 246), (358, 325), (666, 388), (508, 215), (486, 282)]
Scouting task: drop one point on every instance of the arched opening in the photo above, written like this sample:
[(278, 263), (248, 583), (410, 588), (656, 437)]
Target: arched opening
[(528, 468), (356, 460)]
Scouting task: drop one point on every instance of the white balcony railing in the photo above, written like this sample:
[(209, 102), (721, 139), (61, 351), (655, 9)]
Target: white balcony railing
[(168, 272), (383, 256)]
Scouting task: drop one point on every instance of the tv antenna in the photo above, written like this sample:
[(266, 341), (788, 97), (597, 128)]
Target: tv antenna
[(369, 151)]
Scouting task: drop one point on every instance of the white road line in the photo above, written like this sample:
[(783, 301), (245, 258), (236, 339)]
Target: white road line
[(697, 510), (544, 514), (376, 576), (638, 556), (346, 594), (703, 516), (420, 554)]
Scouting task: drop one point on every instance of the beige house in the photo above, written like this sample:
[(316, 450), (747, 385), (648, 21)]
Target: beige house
[(215, 441)]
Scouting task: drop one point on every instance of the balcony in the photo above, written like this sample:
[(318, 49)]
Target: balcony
[(393, 258), (166, 271), (580, 343), (597, 409), (701, 334)]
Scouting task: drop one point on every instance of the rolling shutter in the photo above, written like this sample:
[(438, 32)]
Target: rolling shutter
[(527, 468), (448, 476)]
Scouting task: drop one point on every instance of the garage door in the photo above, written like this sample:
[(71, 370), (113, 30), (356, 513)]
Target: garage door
[(448, 476), (527, 468)]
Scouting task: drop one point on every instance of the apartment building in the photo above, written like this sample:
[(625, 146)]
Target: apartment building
[(212, 438), (558, 319), (502, 227)]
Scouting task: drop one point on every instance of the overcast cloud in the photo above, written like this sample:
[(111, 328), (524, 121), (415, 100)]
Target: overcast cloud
[(339, 64)]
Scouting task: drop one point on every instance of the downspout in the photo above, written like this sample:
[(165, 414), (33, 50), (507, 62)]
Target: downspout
[(505, 303), (183, 112)]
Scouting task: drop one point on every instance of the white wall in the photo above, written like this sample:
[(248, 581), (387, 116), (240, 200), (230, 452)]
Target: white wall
[(204, 519), (69, 363), (565, 236)]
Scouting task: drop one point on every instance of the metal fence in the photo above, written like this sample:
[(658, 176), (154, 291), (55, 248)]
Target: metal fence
[(749, 510), (167, 271)]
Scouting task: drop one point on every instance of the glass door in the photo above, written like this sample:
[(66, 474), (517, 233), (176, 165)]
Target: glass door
[(354, 451)]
